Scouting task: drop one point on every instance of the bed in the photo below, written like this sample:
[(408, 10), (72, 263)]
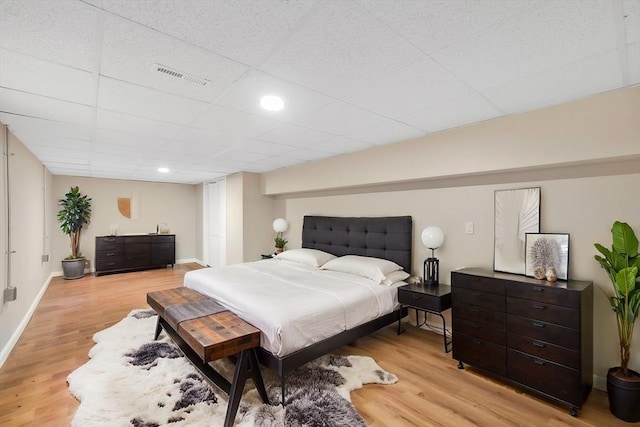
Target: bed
[(294, 334)]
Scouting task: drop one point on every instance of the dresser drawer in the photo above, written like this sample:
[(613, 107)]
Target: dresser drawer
[(480, 353), (108, 243), (479, 330), (478, 298), (544, 350), (544, 293), (485, 316), (556, 380), (538, 310), (478, 283), (549, 332), (163, 238), (109, 254), (109, 264)]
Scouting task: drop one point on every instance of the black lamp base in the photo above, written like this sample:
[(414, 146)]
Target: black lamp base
[(430, 271)]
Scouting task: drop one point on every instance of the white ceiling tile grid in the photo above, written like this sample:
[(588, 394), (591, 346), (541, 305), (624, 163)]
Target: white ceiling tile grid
[(80, 86)]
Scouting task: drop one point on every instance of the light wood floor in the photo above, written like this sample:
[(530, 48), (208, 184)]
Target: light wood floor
[(431, 391)]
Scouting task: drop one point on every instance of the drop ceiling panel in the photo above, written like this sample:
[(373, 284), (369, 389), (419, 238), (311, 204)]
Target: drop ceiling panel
[(305, 154), (407, 90), (123, 139), (339, 117), (561, 32), (295, 135), (246, 94), (340, 144), (202, 138), (37, 131), (338, 47), (468, 109), (233, 122), (60, 31), (130, 52), (262, 147), (37, 106), (437, 24), (37, 76), (242, 30), (145, 102), (133, 125), (567, 82), (386, 133)]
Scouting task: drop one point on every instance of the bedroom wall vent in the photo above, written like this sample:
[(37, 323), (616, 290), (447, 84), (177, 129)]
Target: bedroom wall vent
[(180, 75)]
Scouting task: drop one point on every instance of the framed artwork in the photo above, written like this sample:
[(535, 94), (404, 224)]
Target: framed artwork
[(547, 250), (517, 212)]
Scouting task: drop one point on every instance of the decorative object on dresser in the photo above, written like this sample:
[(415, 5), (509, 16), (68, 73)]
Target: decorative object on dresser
[(547, 254), (75, 212), (517, 212), (429, 299), (280, 225), (622, 265), (432, 238), (530, 333), (118, 254)]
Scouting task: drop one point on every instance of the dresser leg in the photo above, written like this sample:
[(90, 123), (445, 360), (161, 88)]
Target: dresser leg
[(573, 411), (460, 364)]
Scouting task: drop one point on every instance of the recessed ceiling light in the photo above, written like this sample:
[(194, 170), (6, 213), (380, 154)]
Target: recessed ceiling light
[(272, 103), (163, 170)]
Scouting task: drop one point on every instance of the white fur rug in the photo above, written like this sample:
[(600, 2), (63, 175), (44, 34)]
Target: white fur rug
[(131, 380)]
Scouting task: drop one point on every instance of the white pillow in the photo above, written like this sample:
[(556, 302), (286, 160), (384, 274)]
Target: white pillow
[(369, 267), (312, 257), (394, 276)]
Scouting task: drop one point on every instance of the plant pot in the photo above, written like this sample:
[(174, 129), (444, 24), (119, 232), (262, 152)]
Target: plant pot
[(279, 250), (624, 395), (73, 268)]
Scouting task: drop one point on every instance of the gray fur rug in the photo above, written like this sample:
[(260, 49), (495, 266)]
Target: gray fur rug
[(131, 380)]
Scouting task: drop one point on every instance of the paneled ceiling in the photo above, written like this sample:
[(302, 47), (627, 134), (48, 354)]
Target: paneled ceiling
[(79, 84)]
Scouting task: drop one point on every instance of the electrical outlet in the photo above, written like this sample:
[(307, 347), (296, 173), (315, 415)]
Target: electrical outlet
[(10, 294), (86, 263), (45, 258), (468, 227)]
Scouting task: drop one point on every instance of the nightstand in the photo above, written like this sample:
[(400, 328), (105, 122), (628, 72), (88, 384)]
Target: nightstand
[(429, 299)]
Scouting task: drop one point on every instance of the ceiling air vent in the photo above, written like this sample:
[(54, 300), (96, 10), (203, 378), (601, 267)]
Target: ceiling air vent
[(180, 75)]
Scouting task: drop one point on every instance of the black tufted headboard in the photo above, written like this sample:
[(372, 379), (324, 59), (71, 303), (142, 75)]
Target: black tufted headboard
[(381, 237)]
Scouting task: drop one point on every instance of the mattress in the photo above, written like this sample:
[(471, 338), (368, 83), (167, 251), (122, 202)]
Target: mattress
[(293, 305)]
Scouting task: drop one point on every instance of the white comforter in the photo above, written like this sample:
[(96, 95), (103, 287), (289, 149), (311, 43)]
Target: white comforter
[(294, 305)]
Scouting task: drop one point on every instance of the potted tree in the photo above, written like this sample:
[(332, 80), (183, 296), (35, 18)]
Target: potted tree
[(74, 213), (622, 264), (280, 242)]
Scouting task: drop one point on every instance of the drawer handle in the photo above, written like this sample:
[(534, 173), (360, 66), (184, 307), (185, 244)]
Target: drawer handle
[(538, 362), (476, 294), (538, 289), (539, 306), (415, 296), (538, 344), (474, 310), (111, 263), (111, 254), (538, 324), (477, 341), (473, 325)]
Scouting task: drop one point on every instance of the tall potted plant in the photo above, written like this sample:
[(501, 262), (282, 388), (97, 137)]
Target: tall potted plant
[(74, 213), (622, 264)]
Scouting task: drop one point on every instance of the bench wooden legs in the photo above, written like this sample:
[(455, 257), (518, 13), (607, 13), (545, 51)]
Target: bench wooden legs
[(246, 366)]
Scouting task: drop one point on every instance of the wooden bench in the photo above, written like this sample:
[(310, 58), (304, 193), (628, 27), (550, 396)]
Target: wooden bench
[(203, 338)]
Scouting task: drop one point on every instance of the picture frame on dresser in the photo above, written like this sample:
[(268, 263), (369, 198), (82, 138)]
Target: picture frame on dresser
[(545, 251), (516, 212)]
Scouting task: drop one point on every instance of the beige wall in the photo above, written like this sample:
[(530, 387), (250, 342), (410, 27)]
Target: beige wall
[(173, 204), (584, 155), (31, 224)]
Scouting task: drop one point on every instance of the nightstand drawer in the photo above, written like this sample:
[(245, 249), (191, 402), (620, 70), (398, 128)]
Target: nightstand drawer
[(424, 301)]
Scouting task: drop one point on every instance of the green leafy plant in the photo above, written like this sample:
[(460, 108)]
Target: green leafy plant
[(622, 265), (280, 242), (74, 213)]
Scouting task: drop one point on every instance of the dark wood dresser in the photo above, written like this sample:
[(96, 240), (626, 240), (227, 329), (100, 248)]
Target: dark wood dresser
[(530, 333), (117, 254)]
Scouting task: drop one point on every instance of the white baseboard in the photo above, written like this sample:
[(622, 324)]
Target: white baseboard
[(4, 354), (190, 260)]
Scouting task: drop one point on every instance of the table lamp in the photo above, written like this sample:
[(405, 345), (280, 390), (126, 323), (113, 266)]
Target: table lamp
[(432, 238)]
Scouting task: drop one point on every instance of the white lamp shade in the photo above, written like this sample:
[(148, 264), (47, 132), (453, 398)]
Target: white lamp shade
[(432, 237), (280, 225)]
